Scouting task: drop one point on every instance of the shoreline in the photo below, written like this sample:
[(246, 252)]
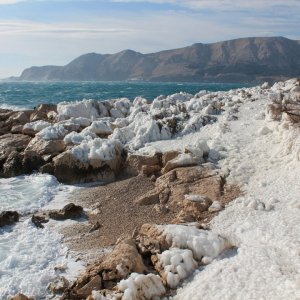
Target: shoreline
[(184, 183)]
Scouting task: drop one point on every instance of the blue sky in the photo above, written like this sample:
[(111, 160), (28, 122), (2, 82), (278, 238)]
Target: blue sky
[(44, 32)]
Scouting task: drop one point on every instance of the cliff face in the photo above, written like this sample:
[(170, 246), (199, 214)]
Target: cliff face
[(240, 60)]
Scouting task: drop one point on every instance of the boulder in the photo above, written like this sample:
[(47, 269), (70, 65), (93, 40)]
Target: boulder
[(59, 285), (151, 239), (38, 220), (169, 155), (68, 169), (151, 197), (16, 129), (43, 147), (15, 141), (93, 285), (122, 261), (150, 170), (19, 117), (45, 112), (12, 165), (31, 161), (194, 205), (136, 162), (182, 160), (8, 218), (70, 211), (20, 297)]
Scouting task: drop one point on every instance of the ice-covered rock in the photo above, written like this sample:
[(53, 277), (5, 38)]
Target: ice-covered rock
[(174, 265), (33, 127), (201, 242), (101, 128), (86, 109), (139, 286), (77, 138), (53, 132), (97, 150), (216, 206)]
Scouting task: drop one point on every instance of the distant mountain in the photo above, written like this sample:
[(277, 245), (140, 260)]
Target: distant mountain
[(241, 60)]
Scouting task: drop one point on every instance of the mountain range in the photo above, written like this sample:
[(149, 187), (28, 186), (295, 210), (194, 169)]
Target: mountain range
[(241, 60)]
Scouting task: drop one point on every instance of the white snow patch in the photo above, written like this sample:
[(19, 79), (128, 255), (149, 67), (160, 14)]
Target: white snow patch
[(139, 286), (202, 243), (177, 264), (37, 125), (53, 132)]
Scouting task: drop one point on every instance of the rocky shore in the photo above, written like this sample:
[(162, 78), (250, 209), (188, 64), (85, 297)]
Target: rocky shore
[(147, 227)]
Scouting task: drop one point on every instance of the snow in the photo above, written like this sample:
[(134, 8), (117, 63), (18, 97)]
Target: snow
[(138, 285), (202, 243), (264, 223), (85, 109), (177, 264), (100, 127), (37, 125), (96, 149), (53, 132)]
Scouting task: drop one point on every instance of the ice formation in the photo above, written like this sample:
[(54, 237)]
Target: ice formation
[(53, 132), (202, 243), (37, 125), (139, 286), (177, 264)]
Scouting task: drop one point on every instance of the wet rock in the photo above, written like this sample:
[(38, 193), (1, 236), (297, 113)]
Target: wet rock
[(70, 211), (13, 165), (20, 297), (8, 218), (38, 220), (59, 285), (31, 161)]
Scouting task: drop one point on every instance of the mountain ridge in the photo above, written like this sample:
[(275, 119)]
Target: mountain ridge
[(251, 59)]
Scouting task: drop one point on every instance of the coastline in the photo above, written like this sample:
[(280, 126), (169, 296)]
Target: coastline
[(178, 186)]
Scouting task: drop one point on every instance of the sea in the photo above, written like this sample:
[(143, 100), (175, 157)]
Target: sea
[(29, 255)]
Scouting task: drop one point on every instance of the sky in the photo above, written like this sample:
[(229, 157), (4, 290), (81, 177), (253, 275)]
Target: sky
[(54, 32)]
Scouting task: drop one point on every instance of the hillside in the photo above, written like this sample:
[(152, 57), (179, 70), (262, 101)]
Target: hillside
[(240, 60)]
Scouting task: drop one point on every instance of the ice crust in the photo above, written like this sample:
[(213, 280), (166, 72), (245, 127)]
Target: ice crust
[(202, 243), (37, 125), (177, 264), (139, 286)]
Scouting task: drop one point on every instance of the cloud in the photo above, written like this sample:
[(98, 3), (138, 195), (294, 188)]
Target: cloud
[(221, 4), (5, 2)]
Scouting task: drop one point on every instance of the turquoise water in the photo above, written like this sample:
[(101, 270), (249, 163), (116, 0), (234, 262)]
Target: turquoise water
[(31, 94)]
